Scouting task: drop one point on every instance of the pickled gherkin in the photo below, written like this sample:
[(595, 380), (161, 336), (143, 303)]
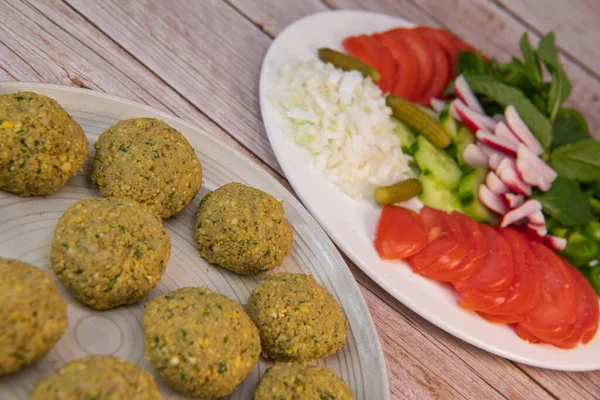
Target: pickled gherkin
[(397, 192), (348, 63)]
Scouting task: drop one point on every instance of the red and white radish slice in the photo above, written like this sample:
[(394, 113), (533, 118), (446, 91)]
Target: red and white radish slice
[(555, 243), (513, 200), (504, 132), (507, 171), (494, 155), (537, 232), (463, 91), (491, 200), (497, 143), (495, 184), (537, 218), (523, 211), (529, 159), (472, 119), (474, 157), (520, 129), (437, 105)]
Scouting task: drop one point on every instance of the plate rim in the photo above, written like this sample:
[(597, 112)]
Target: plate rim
[(324, 239), (434, 319)]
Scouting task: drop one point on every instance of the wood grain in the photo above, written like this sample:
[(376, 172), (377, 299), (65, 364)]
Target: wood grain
[(490, 28), (578, 31)]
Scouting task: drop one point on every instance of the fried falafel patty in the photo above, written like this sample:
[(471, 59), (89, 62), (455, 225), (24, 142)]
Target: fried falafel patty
[(109, 252), (41, 146), (243, 229), (97, 377), (298, 320), (300, 382), (201, 343), (146, 160), (33, 314)]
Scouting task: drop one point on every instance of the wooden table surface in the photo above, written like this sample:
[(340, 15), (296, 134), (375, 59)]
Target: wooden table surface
[(200, 60)]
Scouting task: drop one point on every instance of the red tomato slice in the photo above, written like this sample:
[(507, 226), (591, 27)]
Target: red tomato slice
[(586, 323), (447, 41), (523, 334), (407, 74), (419, 48), (525, 292), (400, 233), (446, 246), (441, 75), (552, 321), (498, 270), (476, 300), (473, 261), (370, 51)]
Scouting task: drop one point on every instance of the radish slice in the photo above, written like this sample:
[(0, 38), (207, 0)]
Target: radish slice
[(472, 119), (504, 132), (513, 200), (437, 105), (537, 218), (521, 212), (463, 91), (494, 155), (491, 200), (495, 184), (538, 232), (533, 169), (555, 243), (497, 143), (507, 171), (474, 157), (513, 119), (454, 112)]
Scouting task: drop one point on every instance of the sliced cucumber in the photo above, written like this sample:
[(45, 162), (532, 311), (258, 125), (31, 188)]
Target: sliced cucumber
[(468, 197), (437, 195), (464, 137), (437, 163), (406, 136), (449, 123)]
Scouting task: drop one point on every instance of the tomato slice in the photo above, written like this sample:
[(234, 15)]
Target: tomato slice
[(586, 323), (553, 320), (441, 75), (407, 74), (447, 41), (400, 233), (370, 51), (525, 335), (498, 270), (525, 292), (473, 261), (419, 48), (446, 245)]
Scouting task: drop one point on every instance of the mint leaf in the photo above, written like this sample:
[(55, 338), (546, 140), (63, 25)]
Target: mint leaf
[(560, 86), (566, 203), (579, 161), (569, 127), (506, 95), (469, 62), (531, 64)]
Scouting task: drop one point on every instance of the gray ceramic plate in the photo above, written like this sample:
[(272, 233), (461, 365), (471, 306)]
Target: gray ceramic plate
[(27, 225)]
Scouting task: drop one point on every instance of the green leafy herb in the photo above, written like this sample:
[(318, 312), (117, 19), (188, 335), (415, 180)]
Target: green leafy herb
[(560, 86), (579, 161), (569, 127), (37, 142), (531, 64), (169, 297), (20, 356), (112, 282), (222, 367), (184, 335), (171, 196), (205, 313), (566, 203), (506, 95), (122, 228), (123, 148), (326, 396), (138, 253)]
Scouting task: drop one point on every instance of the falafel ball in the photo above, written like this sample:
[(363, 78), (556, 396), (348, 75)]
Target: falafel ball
[(301, 382), (146, 160), (109, 252), (97, 377), (201, 343), (33, 314), (298, 320), (243, 229), (41, 146)]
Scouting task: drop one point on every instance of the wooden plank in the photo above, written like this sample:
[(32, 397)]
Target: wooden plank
[(576, 24), (272, 16), (208, 53), (490, 28), (49, 42)]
